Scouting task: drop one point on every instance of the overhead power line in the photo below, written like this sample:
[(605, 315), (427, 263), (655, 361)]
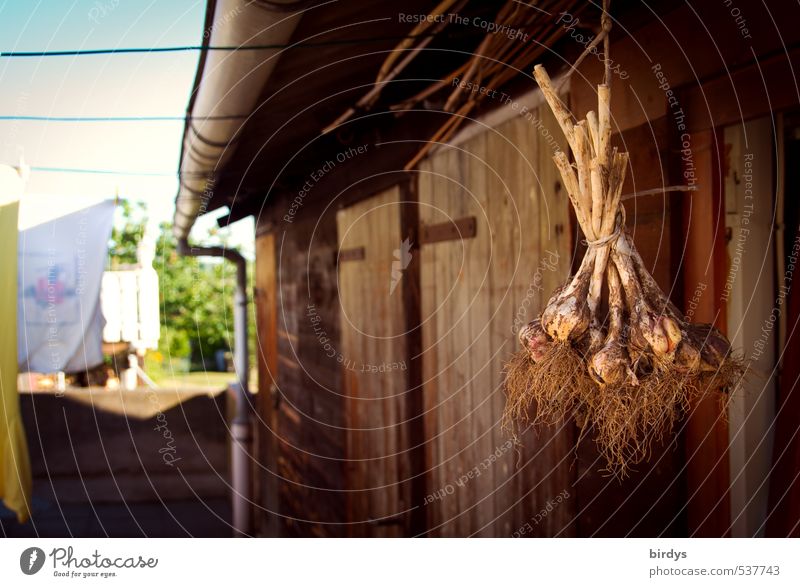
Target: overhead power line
[(188, 48), (464, 32), (113, 172), (121, 118)]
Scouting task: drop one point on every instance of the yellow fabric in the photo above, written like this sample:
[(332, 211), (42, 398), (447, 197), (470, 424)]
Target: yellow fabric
[(15, 466)]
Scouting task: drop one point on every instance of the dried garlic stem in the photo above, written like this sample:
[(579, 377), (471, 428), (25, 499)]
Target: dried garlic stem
[(582, 163), (655, 296), (672, 320), (598, 195), (608, 224), (574, 190), (616, 303), (562, 114), (616, 181), (604, 124), (594, 131), (612, 364), (646, 329)]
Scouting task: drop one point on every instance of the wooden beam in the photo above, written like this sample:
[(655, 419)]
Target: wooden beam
[(358, 183), (459, 229), (415, 405), (695, 48), (758, 89), (386, 146)]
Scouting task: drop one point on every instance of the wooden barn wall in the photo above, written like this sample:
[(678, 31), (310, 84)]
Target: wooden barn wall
[(308, 409), (476, 292)]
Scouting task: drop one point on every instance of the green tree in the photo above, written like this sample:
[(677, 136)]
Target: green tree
[(128, 230), (195, 294), (196, 299)]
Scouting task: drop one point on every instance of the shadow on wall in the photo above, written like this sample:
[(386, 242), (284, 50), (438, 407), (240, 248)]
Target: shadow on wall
[(98, 473)]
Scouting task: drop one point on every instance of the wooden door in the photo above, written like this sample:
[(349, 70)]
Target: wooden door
[(374, 259), (476, 293)]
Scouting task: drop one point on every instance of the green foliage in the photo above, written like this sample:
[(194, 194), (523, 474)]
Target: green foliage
[(196, 301), (174, 343), (128, 230)]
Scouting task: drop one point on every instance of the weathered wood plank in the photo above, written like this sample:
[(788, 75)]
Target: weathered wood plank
[(310, 414), (448, 387), (502, 343), (460, 249), (474, 307), (430, 351), (266, 429), (373, 350), (478, 262)]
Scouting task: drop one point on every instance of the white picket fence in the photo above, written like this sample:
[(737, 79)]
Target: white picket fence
[(130, 305)]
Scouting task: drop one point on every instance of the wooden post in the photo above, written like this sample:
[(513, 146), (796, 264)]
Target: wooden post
[(266, 440), (705, 261)]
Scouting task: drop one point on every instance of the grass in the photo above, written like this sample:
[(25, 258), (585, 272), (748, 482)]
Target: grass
[(177, 376), (211, 380)]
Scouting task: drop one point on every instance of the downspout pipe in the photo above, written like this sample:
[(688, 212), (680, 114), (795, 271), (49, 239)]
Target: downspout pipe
[(241, 425)]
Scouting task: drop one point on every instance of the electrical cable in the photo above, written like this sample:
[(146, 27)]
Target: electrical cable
[(187, 48), (121, 118), (112, 172), (462, 33)]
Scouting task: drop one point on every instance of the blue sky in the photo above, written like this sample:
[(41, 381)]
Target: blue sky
[(102, 85)]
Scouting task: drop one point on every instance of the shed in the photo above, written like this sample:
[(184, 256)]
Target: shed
[(402, 239)]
